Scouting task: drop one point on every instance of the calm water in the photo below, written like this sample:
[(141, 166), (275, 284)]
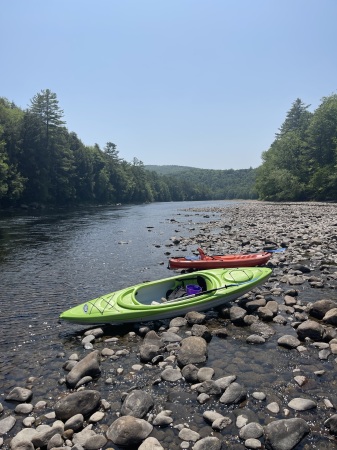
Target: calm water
[(50, 261)]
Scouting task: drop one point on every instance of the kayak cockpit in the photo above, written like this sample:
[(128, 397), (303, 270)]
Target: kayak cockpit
[(154, 293)]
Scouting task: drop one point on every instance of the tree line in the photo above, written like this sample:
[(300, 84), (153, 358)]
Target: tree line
[(301, 163), (42, 163), (220, 184)]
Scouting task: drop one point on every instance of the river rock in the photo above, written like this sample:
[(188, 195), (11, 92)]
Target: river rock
[(186, 434), (178, 322), (45, 433), (252, 430), (207, 443), (205, 373), (137, 404), (88, 439), (163, 419), (273, 407), (95, 442), (169, 336), (321, 307), (83, 436), (262, 328), (190, 373), (88, 366), (55, 441), (152, 338), (25, 435), (288, 341), (82, 402), (24, 408), (285, 434), (7, 424), (19, 394), (221, 423), (193, 350), (331, 423), (253, 443), (331, 317), (75, 423), (310, 329), (194, 317), (237, 314), (211, 416), (209, 387), (221, 333), (171, 374), (128, 431), (151, 443), (224, 382), (96, 332), (202, 331), (147, 352), (235, 393), (254, 305), (264, 313), (301, 404), (23, 445), (255, 339)]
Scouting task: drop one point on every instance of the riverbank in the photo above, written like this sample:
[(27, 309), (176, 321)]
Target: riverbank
[(255, 374)]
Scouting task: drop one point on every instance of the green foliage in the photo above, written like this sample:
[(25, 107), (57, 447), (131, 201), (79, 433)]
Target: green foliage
[(42, 162), (168, 170), (204, 184), (301, 163)]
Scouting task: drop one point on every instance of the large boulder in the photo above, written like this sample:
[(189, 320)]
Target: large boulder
[(80, 402), (310, 329), (137, 404), (128, 431), (193, 350), (285, 434), (321, 307)]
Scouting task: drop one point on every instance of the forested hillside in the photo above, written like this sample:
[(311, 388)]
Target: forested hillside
[(168, 170), (221, 184), (301, 163), (42, 163)]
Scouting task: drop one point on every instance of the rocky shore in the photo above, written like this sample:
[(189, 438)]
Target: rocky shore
[(258, 373)]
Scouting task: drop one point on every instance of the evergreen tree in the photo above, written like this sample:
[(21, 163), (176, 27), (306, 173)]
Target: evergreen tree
[(45, 106)]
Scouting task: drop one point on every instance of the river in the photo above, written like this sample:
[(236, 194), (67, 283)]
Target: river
[(51, 260)]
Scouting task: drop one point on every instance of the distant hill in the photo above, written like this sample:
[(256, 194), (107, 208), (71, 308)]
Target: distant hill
[(169, 170), (215, 184)]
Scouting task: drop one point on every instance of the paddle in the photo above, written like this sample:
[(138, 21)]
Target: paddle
[(277, 250)]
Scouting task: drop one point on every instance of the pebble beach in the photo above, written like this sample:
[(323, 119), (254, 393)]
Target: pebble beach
[(258, 373)]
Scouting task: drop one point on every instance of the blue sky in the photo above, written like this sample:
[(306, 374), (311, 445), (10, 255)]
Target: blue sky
[(201, 83)]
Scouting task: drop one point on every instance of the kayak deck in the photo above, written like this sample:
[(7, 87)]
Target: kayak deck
[(153, 300), (204, 261)]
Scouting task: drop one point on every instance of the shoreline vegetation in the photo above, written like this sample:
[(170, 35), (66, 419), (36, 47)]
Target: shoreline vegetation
[(42, 162), (258, 373)]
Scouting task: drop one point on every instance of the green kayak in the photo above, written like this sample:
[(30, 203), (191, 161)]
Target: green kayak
[(169, 297)]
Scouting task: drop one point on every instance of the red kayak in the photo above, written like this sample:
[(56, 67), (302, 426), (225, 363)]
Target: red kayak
[(204, 261)]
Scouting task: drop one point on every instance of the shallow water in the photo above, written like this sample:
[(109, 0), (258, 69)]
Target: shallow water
[(50, 261)]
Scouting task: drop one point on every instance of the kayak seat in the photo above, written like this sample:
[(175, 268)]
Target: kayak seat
[(202, 283), (203, 254)]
